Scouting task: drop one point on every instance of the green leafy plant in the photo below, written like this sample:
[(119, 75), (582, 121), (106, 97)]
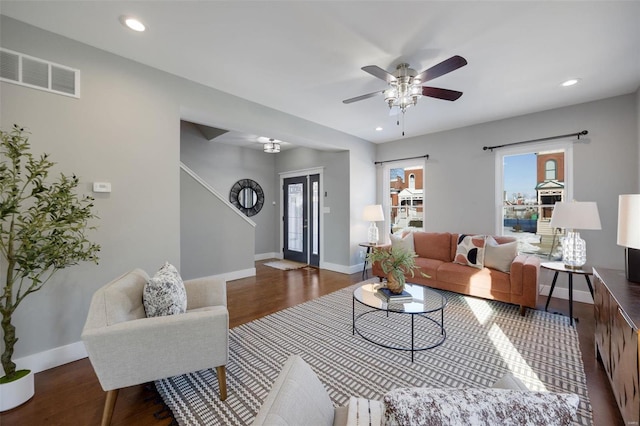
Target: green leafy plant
[(42, 230), (396, 261)]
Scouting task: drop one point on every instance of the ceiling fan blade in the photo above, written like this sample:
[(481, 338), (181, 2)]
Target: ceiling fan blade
[(444, 67), (376, 71), (362, 97), (436, 92)]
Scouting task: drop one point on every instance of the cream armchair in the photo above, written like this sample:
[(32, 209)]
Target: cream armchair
[(126, 348)]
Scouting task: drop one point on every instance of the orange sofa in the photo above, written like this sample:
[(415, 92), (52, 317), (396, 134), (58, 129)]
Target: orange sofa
[(436, 252)]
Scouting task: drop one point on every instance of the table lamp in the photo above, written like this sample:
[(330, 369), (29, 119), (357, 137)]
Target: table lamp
[(629, 233), (373, 214), (572, 216)]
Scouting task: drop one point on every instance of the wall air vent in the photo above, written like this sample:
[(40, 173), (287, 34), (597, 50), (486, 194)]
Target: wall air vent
[(37, 73)]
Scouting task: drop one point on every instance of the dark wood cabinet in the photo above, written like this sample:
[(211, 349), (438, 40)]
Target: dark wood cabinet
[(617, 314)]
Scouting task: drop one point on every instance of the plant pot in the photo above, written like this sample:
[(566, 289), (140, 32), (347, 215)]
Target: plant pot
[(17, 392), (394, 285)]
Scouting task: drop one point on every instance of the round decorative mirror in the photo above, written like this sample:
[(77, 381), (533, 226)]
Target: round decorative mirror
[(247, 196)]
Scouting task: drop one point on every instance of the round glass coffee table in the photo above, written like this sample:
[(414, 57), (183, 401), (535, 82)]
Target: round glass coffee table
[(426, 308)]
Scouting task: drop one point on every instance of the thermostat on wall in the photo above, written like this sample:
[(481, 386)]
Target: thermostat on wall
[(101, 187)]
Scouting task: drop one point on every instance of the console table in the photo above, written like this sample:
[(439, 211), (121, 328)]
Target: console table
[(617, 314)]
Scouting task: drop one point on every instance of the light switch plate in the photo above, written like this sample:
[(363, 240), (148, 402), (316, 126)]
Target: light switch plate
[(101, 187)]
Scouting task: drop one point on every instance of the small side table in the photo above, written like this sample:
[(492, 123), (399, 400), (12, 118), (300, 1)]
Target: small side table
[(558, 267), (369, 246)]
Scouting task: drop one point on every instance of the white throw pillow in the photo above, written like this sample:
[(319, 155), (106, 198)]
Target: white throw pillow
[(499, 256), (404, 243), (164, 293), (421, 406)]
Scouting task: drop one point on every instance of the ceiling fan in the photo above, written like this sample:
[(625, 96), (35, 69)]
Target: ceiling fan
[(405, 84)]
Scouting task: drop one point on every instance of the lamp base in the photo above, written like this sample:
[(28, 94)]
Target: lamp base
[(372, 234), (632, 264), (574, 251)]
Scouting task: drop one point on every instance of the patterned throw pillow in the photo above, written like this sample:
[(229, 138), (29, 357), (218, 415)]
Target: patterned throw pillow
[(164, 294), (425, 406), (470, 250)]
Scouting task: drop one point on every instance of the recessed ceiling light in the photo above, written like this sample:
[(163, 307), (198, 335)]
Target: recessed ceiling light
[(132, 23), (378, 129), (571, 82)]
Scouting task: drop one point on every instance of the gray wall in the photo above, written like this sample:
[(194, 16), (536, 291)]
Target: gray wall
[(335, 235), (460, 176), (214, 238), (125, 129), (223, 165)]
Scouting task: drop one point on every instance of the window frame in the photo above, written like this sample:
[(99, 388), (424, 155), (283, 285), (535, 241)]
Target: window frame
[(566, 145), (386, 189)]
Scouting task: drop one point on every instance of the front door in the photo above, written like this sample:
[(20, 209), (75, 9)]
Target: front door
[(302, 219), (295, 219)]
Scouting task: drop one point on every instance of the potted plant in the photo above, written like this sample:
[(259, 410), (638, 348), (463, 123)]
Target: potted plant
[(42, 230), (395, 263)]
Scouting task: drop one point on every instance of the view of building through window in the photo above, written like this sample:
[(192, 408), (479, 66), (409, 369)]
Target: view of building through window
[(406, 198), (532, 184)]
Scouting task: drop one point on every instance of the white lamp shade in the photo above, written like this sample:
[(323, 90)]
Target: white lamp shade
[(629, 220), (576, 215), (373, 213)]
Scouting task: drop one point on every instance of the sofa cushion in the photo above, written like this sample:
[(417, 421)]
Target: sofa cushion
[(423, 406), (499, 256), (470, 250), (482, 281), (164, 293), (433, 245), (427, 266)]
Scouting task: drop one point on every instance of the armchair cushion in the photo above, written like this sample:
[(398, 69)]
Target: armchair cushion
[(164, 294)]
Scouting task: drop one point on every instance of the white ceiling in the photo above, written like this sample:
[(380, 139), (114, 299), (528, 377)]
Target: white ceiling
[(304, 58)]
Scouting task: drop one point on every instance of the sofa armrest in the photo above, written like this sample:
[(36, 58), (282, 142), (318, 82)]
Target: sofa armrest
[(147, 349), (525, 273), (207, 291)]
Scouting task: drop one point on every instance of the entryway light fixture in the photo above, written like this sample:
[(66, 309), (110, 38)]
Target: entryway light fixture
[(272, 147)]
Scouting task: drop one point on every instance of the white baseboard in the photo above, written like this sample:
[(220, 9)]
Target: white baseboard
[(341, 268), (272, 255), (236, 275), (52, 358), (583, 296)]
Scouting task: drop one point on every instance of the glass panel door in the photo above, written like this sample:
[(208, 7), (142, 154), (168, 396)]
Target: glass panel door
[(295, 219), (314, 258)]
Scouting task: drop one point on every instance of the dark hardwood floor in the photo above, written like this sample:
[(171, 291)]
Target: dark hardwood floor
[(71, 395)]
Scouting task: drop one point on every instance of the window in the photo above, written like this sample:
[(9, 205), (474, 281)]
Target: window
[(528, 184), (550, 170), (403, 190)]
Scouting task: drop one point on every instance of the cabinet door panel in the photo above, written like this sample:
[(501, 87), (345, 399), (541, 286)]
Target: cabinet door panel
[(624, 362), (602, 306)]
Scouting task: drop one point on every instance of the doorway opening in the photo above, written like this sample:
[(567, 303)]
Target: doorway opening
[(301, 218)]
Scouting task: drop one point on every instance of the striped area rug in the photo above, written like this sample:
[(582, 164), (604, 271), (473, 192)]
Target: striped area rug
[(484, 340)]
